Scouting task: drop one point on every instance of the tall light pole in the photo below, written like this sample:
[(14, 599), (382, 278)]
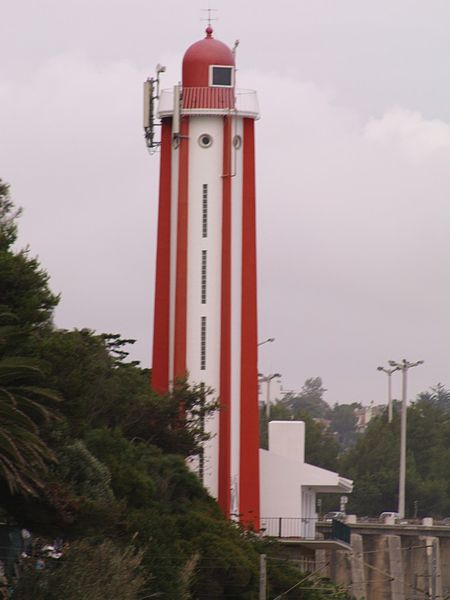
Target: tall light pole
[(389, 373), (267, 379), (403, 367)]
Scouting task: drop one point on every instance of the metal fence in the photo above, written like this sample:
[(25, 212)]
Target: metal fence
[(305, 528), (205, 100), (289, 527)]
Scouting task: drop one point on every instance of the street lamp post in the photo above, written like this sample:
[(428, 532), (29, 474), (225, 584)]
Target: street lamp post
[(267, 379), (266, 341), (403, 367), (389, 374)]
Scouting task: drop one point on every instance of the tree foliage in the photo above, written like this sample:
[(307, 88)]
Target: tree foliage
[(438, 396), (24, 285), (101, 390), (26, 402), (24, 405), (83, 472), (98, 571), (343, 423), (278, 412), (373, 462), (310, 399), (8, 218), (321, 446), (136, 521)]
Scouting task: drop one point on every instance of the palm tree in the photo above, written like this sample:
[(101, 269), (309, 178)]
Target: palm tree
[(24, 456)]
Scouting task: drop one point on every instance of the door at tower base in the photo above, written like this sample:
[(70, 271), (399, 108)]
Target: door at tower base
[(205, 322)]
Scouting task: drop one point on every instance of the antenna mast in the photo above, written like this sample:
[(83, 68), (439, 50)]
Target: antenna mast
[(209, 18), (151, 95)]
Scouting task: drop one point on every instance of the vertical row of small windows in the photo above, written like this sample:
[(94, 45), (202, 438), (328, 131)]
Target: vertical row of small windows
[(205, 210), (203, 344), (203, 276), (201, 458), (203, 284)]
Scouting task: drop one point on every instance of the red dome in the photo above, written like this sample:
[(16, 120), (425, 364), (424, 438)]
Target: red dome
[(200, 56)]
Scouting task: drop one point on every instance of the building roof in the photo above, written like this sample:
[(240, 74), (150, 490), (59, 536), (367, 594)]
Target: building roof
[(200, 56)]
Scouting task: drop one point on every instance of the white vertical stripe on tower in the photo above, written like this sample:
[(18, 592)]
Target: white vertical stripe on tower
[(205, 167), (236, 300), (173, 256)]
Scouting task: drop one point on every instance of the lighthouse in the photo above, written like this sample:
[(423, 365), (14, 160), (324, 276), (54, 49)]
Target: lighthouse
[(205, 319)]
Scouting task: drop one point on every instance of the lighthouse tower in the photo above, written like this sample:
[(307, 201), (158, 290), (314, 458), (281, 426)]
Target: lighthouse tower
[(205, 321)]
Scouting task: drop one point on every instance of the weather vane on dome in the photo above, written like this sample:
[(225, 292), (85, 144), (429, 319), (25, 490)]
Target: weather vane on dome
[(209, 18)]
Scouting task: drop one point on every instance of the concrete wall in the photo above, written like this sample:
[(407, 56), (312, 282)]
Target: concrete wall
[(387, 564)]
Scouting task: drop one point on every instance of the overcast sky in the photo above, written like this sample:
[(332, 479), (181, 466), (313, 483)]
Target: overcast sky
[(353, 177)]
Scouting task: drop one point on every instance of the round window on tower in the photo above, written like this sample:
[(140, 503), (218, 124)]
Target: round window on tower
[(237, 142), (205, 140)]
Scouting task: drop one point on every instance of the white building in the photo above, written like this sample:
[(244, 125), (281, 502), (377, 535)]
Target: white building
[(289, 485), (366, 413)]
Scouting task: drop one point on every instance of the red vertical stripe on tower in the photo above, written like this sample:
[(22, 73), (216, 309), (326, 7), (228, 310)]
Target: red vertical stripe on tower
[(249, 436), (160, 367), (182, 250), (225, 329)]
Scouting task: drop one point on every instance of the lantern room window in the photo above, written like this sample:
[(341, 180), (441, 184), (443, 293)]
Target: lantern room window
[(221, 76)]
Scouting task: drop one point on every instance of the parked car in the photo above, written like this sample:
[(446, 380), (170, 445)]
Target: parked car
[(337, 515), (389, 515)]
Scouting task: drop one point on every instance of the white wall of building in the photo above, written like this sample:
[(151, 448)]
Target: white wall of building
[(289, 485), (205, 167)]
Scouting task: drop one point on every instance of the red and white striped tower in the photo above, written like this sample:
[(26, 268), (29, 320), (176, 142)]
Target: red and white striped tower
[(205, 321)]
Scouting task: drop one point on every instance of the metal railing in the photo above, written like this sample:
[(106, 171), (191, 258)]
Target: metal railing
[(210, 101), (354, 519), (306, 528), (289, 527)]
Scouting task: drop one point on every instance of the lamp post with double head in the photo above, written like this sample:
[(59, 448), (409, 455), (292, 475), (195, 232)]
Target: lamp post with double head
[(403, 366), (267, 379), (389, 374)]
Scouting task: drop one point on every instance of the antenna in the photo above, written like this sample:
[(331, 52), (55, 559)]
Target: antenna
[(209, 11), (151, 94), (176, 115)]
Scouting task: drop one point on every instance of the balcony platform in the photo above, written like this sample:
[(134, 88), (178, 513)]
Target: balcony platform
[(218, 101)]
